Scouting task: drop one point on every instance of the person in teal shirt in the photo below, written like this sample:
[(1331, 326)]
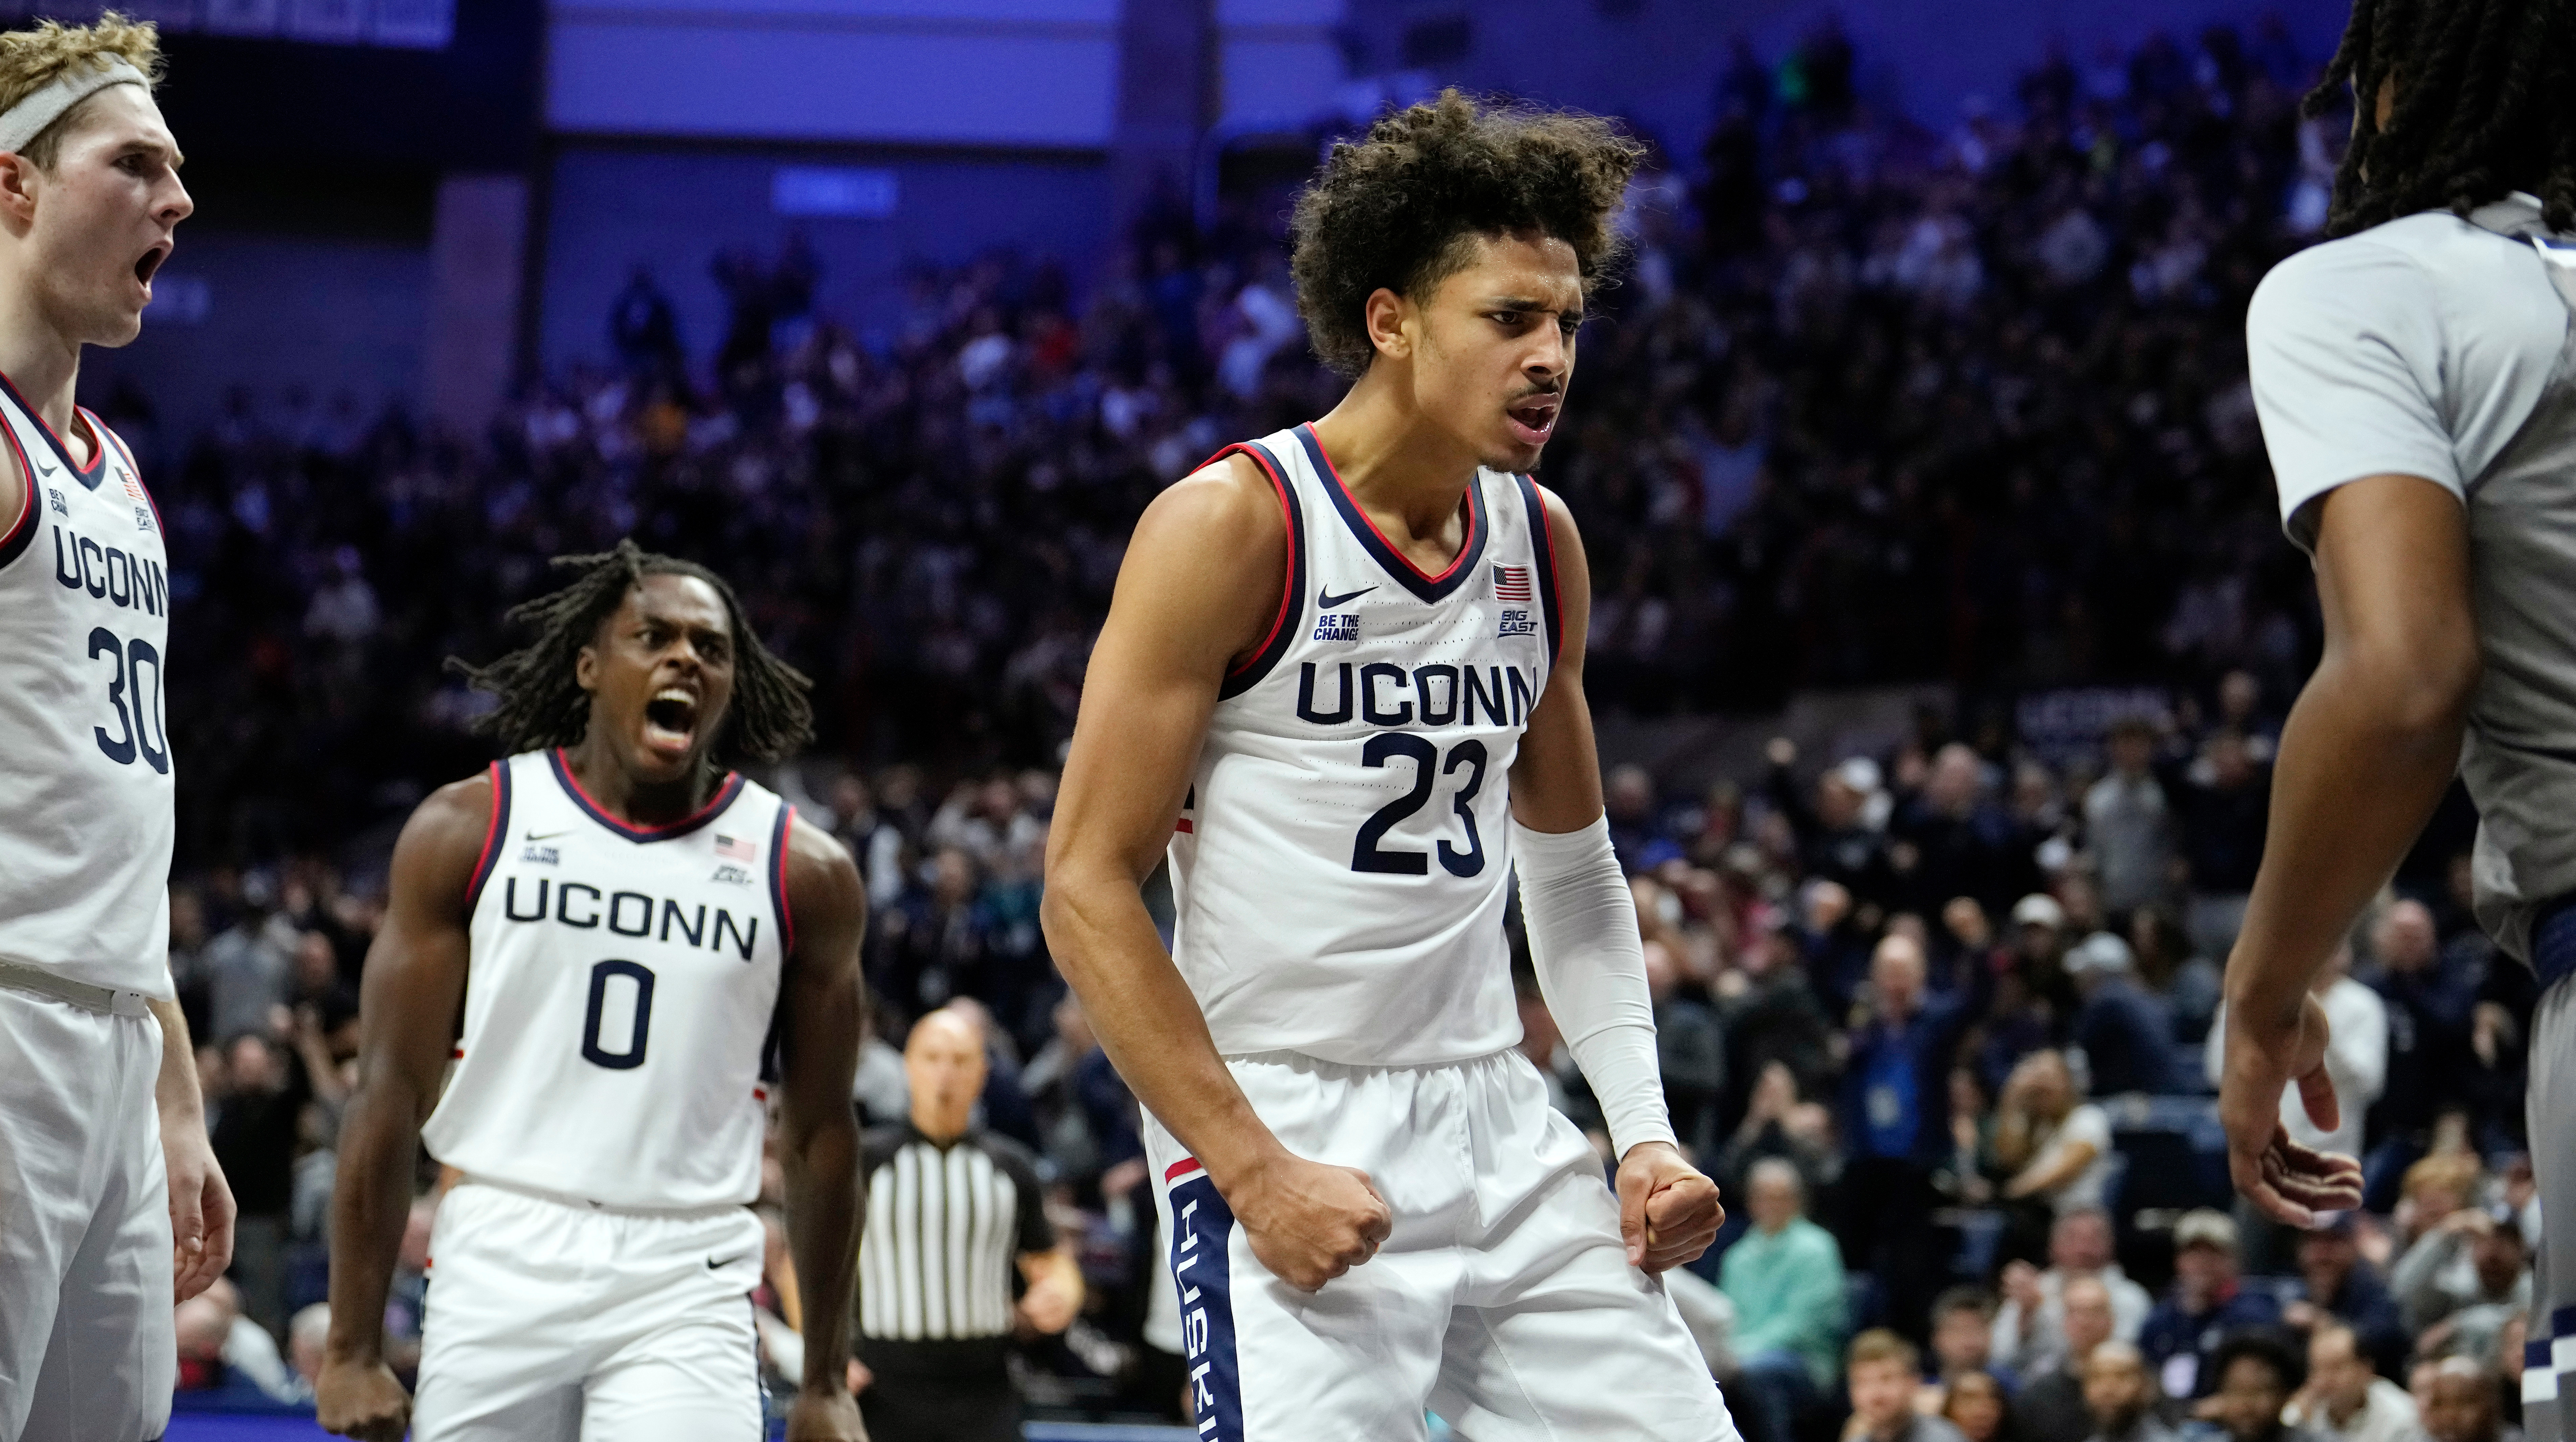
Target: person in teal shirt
[(1785, 1277)]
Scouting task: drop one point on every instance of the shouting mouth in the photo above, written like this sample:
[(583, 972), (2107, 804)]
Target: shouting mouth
[(146, 265), (671, 722), (1533, 418)]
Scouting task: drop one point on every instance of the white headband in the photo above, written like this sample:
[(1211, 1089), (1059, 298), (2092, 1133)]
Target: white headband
[(27, 119)]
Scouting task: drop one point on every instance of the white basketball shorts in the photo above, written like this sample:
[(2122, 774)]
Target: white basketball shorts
[(549, 1320), (86, 1347), (1503, 1300)]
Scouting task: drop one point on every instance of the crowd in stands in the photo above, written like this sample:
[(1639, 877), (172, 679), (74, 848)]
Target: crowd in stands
[(1877, 403)]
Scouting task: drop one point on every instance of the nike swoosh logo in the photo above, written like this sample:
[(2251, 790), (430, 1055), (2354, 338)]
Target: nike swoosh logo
[(548, 836), (1326, 600), (715, 1266), (45, 470)]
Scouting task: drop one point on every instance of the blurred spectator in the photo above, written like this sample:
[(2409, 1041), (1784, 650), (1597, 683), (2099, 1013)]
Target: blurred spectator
[(1692, 1049), (2345, 1399), (257, 1126), (250, 968), (1778, 1124), (2129, 821), (2030, 1327), (1785, 1277), (2184, 980), (2341, 1288), (2431, 1003), (2051, 1407), (2121, 1395), (1882, 1369), (2255, 1375), (2126, 1038), (2207, 1304), (1896, 1091), (2224, 801), (1977, 1406), (2472, 1258), (307, 1334), (2054, 1146), (1963, 1338), (2458, 1404)]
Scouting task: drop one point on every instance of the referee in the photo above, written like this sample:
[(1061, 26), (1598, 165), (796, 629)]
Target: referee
[(2416, 378), (951, 1209)]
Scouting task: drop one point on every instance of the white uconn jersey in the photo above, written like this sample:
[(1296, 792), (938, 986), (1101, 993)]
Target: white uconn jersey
[(85, 836), (1342, 866), (619, 995)]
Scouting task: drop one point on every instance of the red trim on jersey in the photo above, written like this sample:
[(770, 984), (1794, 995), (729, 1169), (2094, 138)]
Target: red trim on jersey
[(1289, 582), (490, 855), (97, 452), (1180, 1169), (1555, 582), (760, 1094), (1186, 826), (561, 760), (1466, 547), (457, 1054), (22, 530)]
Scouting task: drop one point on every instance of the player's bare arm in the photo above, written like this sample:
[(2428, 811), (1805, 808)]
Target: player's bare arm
[(1200, 586), (826, 1017), (2365, 756), (1668, 1210), (201, 1203), (413, 987)]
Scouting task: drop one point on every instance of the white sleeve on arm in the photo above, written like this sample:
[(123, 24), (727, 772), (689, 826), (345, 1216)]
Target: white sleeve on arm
[(1591, 963), (2344, 348)]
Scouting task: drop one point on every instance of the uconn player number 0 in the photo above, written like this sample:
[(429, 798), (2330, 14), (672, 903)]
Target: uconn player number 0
[(633, 1055)]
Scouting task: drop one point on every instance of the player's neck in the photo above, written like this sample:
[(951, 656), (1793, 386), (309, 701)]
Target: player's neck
[(617, 791), (39, 360), (1393, 460)]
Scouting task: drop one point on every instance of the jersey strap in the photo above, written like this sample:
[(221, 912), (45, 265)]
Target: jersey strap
[(89, 475), (1543, 541), (1374, 541), (495, 832), (1292, 600)]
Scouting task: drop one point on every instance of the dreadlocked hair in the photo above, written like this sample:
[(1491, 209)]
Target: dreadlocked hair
[(543, 705), (2485, 104)]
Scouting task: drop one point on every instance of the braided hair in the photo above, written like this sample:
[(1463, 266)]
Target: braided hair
[(2485, 104), (543, 705)]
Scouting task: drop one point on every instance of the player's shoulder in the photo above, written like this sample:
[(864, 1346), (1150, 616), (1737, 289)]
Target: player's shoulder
[(458, 812), (2330, 271), (1230, 501), (820, 871)]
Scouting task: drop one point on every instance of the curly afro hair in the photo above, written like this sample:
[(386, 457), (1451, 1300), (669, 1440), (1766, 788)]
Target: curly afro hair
[(1401, 209)]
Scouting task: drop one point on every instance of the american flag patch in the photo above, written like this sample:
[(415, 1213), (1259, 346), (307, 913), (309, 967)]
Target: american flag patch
[(1511, 583), (733, 850), (133, 487)]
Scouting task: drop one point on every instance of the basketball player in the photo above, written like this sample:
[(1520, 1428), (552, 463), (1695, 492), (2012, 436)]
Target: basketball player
[(1346, 659), (2416, 377), (606, 924), (110, 1199)]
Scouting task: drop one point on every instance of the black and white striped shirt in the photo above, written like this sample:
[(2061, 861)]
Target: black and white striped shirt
[(945, 1226)]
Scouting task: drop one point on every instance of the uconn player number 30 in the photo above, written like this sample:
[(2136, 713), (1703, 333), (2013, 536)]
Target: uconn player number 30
[(137, 725)]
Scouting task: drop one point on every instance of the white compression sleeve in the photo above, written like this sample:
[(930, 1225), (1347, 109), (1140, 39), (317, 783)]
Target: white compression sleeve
[(1591, 964)]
